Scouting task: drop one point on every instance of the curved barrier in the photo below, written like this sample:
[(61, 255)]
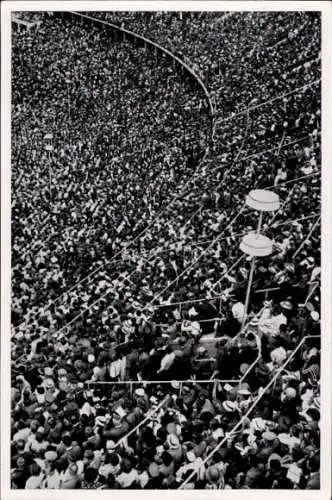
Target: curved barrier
[(147, 42)]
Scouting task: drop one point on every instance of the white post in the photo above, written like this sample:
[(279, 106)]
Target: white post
[(68, 95), (248, 291), (50, 174), (260, 223)]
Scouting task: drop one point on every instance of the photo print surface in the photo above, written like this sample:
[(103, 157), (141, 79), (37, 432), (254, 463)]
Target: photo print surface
[(165, 250)]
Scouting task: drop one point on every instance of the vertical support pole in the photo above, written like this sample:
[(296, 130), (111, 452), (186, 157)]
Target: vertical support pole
[(214, 390), (260, 223), (68, 95), (248, 291), (50, 174)]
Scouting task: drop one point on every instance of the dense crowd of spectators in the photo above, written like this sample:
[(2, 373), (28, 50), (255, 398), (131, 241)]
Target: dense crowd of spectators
[(269, 47), (133, 132), (132, 158)]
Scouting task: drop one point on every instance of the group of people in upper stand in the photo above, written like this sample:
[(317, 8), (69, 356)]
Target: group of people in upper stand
[(123, 203)]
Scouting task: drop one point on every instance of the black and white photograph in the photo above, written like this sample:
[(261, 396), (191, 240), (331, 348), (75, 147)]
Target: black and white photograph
[(165, 248)]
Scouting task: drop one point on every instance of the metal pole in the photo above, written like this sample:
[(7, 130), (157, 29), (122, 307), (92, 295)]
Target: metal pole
[(148, 417), (68, 101), (50, 175), (249, 411), (259, 223), (248, 291), (251, 273)]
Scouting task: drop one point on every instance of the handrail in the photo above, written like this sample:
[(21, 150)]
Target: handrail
[(207, 320), (193, 301), (156, 382), (157, 46), (218, 238), (148, 416), (245, 416), (265, 103), (212, 379), (307, 238)]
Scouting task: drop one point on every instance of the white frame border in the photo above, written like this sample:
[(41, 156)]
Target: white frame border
[(325, 7)]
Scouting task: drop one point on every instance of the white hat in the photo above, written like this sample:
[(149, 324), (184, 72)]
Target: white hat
[(192, 312), (269, 436), (238, 311), (101, 420), (278, 355), (243, 271), (121, 412), (314, 315), (284, 439), (51, 455), (254, 321), (110, 445), (216, 434), (173, 441), (285, 304), (258, 424), (290, 267), (191, 456), (229, 406), (290, 392), (294, 473), (49, 383), (313, 352), (244, 392), (91, 358), (140, 392), (175, 384)]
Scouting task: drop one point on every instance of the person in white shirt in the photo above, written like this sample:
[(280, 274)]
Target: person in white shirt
[(128, 475), (193, 464), (269, 324), (37, 441), (69, 478), (35, 480), (22, 434), (52, 477), (167, 360)]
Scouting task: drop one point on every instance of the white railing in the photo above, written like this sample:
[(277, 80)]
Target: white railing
[(252, 407), (153, 44), (150, 414)]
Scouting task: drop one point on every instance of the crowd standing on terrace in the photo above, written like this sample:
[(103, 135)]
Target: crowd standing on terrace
[(134, 208)]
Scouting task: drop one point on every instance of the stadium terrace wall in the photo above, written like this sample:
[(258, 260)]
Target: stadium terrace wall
[(131, 35)]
